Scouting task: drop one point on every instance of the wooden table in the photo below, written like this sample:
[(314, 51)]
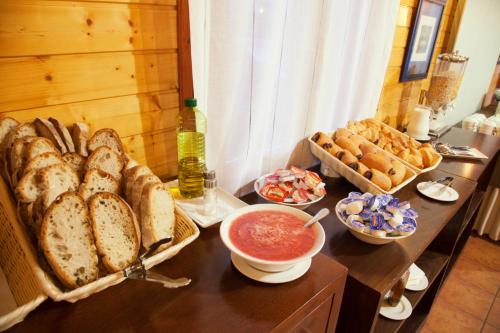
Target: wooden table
[(373, 270), (219, 299)]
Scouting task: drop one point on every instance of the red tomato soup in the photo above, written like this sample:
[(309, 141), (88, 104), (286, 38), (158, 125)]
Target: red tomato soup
[(271, 235)]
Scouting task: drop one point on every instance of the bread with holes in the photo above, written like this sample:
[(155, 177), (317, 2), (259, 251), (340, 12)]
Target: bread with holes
[(55, 180), (137, 189), (80, 136), (18, 157), (67, 241), (106, 159), (106, 137), (46, 129), (64, 134), (131, 176), (157, 214), (115, 230), (76, 162), (39, 146), (96, 181), (42, 161)]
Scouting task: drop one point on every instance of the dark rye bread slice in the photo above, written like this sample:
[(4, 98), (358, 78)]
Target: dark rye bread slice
[(76, 162), (67, 242), (131, 176), (96, 181), (137, 189), (157, 214), (106, 159), (115, 230), (80, 136), (106, 137), (64, 134), (46, 129)]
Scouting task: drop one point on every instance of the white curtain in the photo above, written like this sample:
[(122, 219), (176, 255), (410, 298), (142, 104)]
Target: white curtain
[(268, 73)]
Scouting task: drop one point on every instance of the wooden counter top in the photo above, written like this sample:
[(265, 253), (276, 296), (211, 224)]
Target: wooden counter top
[(219, 299)]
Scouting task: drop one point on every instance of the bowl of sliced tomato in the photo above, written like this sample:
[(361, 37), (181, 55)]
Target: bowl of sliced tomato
[(292, 187)]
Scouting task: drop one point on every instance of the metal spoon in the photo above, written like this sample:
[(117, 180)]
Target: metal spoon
[(319, 215)]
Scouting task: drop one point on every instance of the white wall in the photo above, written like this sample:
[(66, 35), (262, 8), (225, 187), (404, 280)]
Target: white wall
[(478, 38)]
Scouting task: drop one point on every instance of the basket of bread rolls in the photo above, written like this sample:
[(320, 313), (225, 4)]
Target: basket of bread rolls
[(361, 162), (421, 157), (80, 209)]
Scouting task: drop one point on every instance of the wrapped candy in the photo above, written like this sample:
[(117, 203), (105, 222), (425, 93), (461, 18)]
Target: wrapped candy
[(354, 207), (405, 229)]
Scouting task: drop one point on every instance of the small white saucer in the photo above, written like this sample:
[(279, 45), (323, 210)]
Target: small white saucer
[(267, 277), (399, 312), (435, 192), (417, 280), (419, 138)]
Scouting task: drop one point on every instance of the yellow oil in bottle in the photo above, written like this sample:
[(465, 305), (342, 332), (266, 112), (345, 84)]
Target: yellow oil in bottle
[(191, 130)]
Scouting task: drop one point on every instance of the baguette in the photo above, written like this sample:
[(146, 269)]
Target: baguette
[(96, 181), (115, 230), (106, 137), (80, 135), (46, 129), (67, 242), (64, 134)]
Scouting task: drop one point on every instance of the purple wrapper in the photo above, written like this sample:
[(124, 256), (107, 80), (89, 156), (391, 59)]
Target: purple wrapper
[(376, 222)]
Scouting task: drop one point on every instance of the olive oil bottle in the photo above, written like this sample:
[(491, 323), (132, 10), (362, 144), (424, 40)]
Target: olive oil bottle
[(191, 129)]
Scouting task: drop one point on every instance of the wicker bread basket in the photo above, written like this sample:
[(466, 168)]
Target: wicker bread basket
[(351, 175), (30, 284), (406, 136)]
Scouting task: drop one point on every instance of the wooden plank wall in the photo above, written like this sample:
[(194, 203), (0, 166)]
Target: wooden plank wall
[(110, 63), (398, 98)]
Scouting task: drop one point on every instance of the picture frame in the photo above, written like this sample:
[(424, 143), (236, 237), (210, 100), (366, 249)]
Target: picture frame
[(424, 32)]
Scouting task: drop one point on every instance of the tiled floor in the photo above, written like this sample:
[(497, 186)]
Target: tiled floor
[(470, 298)]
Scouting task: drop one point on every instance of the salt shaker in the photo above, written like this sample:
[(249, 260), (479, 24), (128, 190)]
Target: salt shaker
[(210, 193)]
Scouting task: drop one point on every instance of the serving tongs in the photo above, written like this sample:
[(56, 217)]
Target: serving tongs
[(137, 271), (447, 149), (445, 180)]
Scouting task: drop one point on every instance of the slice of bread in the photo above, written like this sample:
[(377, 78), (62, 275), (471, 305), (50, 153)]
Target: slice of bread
[(80, 136), (137, 188), (106, 137), (64, 134), (6, 125), (28, 189), (77, 162), (39, 146), (96, 181), (106, 159), (115, 230), (46, 129), (57, 179), (18, 157), (157, 214), (18, 132), (25, 215), (67, 242), (42, 161), (131, 176)]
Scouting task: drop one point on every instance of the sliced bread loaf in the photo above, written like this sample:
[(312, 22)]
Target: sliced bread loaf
[(115, 230), (137, 188), (39, 146), (106, 137), (157, 214), (96, 181), (6, 125), (67, 242), (75, 161), (106, 159), (18, 157), (131, 176), (56, 179), (80, 135), (42, 161), (46, 129), (18, 132), (64, 134), (28, 189)]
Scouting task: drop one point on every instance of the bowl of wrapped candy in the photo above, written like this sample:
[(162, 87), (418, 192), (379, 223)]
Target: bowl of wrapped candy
[(377, 219), (295, 187)]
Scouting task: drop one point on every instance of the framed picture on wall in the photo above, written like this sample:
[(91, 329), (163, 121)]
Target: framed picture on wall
[(423, 38)]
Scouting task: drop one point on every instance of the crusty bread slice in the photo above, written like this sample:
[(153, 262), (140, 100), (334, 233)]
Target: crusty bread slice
[(28, 189), (131, 176), (39, 146), (129, 162), (6, 125), (25, 215), (77, 162), (67, 242), (106, 159), (46, 129), (56, 179), (64, 134), (18, 157), (42, 161), (96, 181), (80, 136), (15, 133), (115, 230), (137, 188), (106, 137), (157, 214)]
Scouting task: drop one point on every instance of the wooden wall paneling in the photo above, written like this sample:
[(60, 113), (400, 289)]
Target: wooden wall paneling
[(55, 27), (147, 2)]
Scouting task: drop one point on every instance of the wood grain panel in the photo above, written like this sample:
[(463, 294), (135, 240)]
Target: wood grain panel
[(54, 27), (70, 78), (128, 115), (151, 2)]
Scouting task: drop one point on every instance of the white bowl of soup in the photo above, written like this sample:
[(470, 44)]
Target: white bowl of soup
[(271, 237)]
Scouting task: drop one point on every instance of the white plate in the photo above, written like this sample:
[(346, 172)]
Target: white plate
[(291, 274), (435, 192), (226, 204), (399, 312), (417, 280)]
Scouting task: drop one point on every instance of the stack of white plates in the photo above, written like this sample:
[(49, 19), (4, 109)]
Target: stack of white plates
[(488, 127), (473, 122)]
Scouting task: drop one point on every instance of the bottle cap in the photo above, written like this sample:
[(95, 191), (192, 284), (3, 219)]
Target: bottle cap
[(209, 179), (190, 102)]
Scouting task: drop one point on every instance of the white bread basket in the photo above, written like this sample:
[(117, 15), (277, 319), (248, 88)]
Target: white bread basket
[(351, 175), (30, 284)]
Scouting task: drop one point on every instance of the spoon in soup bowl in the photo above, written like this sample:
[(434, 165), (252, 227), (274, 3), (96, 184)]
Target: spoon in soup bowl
[(318, 216)]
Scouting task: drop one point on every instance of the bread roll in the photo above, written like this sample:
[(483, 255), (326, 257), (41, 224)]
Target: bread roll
[(341, 132), (323, 140), (333, 149), (357, 139), (347, 157), (347, 144), (380, 179), (399, 172), (377, 161), (361, 169), (367, 148), (427, 156)]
